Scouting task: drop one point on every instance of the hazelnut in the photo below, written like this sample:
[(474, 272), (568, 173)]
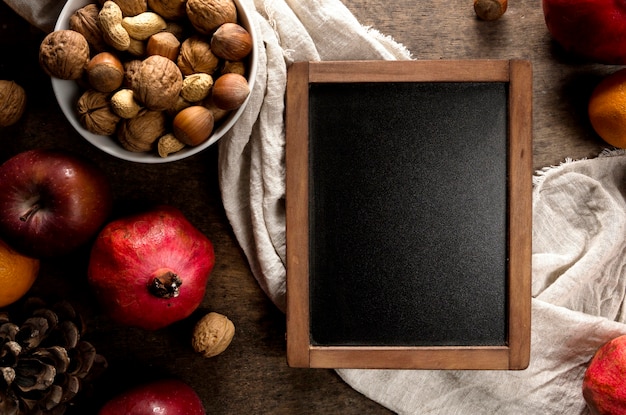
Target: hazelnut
[(164, 44), (196, 56), (230, 91), (208, 15), (64, 54), (139, 133), (12, 102), (105, 72), (231, 42), (85, 22), (159, 82), (193, 125), (169, 9), (212, 334), (95, 113)]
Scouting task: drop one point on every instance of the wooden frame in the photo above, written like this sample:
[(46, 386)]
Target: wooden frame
[(515, 353)]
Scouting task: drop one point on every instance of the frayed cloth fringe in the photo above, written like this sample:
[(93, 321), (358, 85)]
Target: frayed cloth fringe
[(540, 175)]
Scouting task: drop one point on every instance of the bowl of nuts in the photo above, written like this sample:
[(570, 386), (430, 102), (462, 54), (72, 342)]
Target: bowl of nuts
[(152, 81)]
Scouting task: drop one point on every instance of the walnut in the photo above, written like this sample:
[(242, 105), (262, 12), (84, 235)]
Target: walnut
[(131, 71), (212, 334), (159, 82), (64, 54), (208, 15), (95, 114), (12, 102), (169, 9), (138, 134), (132, 7), (196, 56), (85, 22)]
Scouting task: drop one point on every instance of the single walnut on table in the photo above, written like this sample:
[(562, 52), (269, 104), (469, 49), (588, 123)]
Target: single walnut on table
[(212, 334), (12, 102)]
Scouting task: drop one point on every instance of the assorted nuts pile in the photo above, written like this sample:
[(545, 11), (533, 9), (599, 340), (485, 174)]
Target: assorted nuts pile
[(157, 75)]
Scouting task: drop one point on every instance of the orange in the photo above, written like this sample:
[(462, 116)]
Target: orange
[(17, 274), (607, 109)]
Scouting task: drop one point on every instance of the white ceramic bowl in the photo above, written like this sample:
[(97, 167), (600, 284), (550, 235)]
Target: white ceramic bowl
[(68, 92)]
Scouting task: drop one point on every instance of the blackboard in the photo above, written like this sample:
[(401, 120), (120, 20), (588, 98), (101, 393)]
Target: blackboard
[(408, 214)]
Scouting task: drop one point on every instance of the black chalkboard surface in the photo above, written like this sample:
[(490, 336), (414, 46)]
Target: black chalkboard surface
[(408, 204)]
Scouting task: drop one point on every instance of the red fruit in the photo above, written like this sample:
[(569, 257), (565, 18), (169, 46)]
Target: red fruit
[(593, 29), (150, 270), (51, 202), (604, 384), (163, 397)]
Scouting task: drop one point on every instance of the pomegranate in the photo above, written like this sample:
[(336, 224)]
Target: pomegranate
[(150, 269), (592, 29), (604, 384), (164, 397)]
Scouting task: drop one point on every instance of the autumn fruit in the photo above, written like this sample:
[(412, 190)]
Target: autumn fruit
[(164, 397), (17, 274), (150, 269), (51, 202), (604, 383), (592, 29), (607, 109)]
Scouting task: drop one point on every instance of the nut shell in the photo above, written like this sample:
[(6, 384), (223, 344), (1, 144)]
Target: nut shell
[(212, 334), (196, 87), (169, 9), (159, 82), (105, 72), (64, 54), (230, 91), (124, 105), (12, 102), (85, 22), (132, 7), (208, 15), (95, 114), (164, 44), (231, 42), (138, 134), (169, 144), (196, 56), (193, 125)]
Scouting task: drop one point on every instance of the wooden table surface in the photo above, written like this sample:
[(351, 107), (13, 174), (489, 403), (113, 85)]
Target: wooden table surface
[(251, 376)]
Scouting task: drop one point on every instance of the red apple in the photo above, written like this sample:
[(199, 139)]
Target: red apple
[(51, 202), (592, 29), (163, 397), (150, 269), (604, 384)]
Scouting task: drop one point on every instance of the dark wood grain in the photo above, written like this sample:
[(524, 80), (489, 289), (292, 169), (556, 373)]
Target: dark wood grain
[(252, 375)]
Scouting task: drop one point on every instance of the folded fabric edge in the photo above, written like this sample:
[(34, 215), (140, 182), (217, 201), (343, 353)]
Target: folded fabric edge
[(540, 175)]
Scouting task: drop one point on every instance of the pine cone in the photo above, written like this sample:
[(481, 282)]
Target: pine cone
[(43, 361)]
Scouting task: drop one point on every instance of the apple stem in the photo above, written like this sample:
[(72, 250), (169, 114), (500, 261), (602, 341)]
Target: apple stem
[(30, 212), (166, 285)]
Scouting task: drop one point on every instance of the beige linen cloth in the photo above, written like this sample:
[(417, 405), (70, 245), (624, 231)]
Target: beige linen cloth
[(579, 228)]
